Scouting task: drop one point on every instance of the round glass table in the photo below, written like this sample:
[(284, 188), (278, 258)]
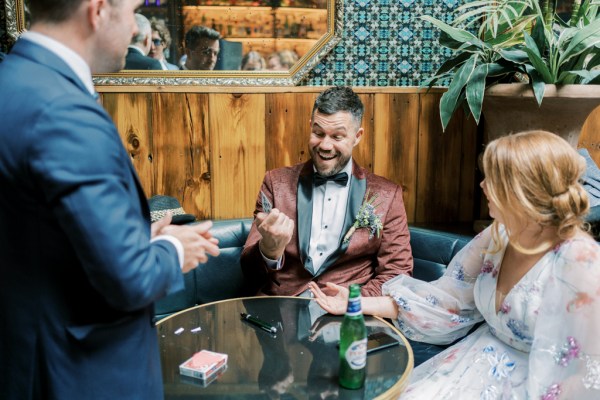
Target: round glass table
[(300, 361)]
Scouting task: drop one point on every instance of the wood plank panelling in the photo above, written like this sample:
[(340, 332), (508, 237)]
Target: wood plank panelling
[(287, 122), (210, 148), (181, 150), (396, 141), (443, 194), (237, 126), (131, 113), (364, 152)]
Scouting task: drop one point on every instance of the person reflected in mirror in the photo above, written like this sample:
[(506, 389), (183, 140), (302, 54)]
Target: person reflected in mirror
[(161, 40), (201, 48), (533, 276), (253, 61), (282, 60), (82, 265), (137, 52), (331, 219)]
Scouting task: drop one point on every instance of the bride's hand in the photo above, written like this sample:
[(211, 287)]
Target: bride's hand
[(335, 303)]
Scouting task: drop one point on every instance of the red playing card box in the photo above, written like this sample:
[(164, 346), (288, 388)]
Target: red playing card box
[(203, 364), (204, 382)]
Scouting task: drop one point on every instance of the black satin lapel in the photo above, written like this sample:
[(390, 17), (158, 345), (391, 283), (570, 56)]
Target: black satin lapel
[(304, 210), (358, 188)]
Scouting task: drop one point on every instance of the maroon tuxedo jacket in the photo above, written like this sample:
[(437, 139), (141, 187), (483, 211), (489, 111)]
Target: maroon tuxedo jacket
[(361, 260)]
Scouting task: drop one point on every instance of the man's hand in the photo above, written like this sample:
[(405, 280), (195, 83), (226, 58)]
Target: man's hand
[(334, 304), (276, 229), (197, 243), (157, 226)]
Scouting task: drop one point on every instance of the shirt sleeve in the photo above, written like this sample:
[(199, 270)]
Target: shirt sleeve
[(444, 310), (175, 242), (272, 264)]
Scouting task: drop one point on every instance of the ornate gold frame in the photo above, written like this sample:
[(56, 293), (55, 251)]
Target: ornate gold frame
[(15, 25)]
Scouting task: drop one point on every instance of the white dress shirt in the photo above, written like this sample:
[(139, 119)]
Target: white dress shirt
[(329, 201), (329, 210)]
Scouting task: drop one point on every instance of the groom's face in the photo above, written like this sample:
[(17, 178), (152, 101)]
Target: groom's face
[(332, 140)]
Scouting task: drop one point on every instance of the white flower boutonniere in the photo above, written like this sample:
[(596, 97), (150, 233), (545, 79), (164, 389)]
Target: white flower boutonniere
[(366, 218)]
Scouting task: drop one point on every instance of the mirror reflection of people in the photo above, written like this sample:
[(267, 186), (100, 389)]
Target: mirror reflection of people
[(533, 276), (137, 52), (81, 264), (201, 48), (253, 61), (308, 234), (282, 60), (161, 40)]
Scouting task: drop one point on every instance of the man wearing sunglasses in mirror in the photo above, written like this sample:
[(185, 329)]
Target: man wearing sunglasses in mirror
[(161, 40), (201, 48)]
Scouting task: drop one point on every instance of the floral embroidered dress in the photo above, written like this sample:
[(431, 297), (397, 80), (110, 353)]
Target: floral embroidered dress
[(543, 343)]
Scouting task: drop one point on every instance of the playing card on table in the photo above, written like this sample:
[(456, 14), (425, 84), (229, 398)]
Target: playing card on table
[(267, 206)]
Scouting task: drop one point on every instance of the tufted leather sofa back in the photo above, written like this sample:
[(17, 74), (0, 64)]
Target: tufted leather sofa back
[(221, 277)]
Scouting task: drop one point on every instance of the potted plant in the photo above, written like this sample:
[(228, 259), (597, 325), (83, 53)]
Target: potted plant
[(517, 41)]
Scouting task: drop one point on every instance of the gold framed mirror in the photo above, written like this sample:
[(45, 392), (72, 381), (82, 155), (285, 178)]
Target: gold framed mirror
[(308, 28)]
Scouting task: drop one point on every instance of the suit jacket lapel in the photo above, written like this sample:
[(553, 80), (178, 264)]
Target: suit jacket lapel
[(304, 209), (358, 188)]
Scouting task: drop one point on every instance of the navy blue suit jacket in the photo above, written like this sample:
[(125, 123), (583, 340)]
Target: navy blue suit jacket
[(136, 60), (78, 275)]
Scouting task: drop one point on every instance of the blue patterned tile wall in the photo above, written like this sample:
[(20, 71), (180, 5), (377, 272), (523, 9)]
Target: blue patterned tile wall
[(385, 43)]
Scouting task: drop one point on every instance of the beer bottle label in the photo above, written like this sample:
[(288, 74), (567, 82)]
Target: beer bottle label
[(353, 307), (356, 354)]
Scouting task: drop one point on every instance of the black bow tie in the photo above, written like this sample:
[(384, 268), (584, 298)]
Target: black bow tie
[(340, 178)]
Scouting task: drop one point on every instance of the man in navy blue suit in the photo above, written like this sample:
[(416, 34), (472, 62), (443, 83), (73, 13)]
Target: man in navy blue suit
[(137, 53), (81, 263)]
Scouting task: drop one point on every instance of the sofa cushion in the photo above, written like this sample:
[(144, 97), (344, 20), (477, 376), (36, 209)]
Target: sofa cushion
[(219, 278), (432, 251)]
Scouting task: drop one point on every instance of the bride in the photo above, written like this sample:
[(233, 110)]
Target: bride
[(533, 276)]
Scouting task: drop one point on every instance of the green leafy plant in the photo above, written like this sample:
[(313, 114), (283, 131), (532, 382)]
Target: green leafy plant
[(516, 41)]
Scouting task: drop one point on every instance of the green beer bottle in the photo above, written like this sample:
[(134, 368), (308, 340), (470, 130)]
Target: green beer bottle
[(353, 343)]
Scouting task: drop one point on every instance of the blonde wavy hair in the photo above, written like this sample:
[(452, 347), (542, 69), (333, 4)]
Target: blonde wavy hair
[(534, 176)]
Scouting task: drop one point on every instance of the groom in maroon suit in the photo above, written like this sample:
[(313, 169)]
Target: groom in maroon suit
[(306, 225)]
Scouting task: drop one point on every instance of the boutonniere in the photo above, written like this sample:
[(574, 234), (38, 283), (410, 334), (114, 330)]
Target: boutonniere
[(366, 218)]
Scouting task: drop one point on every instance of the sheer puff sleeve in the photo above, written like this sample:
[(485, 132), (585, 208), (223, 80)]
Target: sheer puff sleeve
[(565, 356), (444, 310)]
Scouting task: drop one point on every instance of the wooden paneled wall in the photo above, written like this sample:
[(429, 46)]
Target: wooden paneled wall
[(210, 147)]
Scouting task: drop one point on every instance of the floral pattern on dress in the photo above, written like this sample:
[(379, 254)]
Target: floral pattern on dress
[(432, 300), (459, 273), (568, 352), (591, 380), (537, 346), (519, 329), (505, 307)]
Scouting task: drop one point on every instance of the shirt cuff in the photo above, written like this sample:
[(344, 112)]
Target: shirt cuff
[(271, 264), (175, 242)]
